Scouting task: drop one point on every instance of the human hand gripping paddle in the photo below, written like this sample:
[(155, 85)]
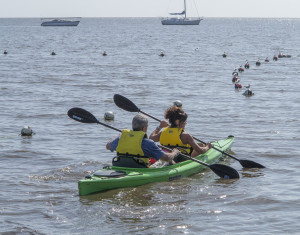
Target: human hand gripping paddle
[(124, 103), (81, 115)]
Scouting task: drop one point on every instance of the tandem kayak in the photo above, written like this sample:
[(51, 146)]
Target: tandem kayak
[(113, 177)]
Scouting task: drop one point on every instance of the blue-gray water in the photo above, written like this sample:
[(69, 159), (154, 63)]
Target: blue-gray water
[(39, 174)]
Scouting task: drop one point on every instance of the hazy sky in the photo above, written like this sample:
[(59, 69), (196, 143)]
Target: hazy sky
[(148, 8)]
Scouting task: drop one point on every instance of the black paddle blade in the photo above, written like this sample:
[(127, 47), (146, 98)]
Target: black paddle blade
[(81, 115), (124, 103), (224, 171), (250, 164)]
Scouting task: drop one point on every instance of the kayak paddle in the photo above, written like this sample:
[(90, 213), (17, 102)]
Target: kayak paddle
[(223, 171), (126, 104)]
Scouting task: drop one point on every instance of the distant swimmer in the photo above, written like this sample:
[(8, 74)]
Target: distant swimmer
[(5, 52), (235, 73), (267, 59), (224, 55), (241, 69), (104, 53), (235, 79), (238, 85), (281, 55), (247, 65), (53, 53), (248, 93), (275, 58), (162, 54), (258, 63)]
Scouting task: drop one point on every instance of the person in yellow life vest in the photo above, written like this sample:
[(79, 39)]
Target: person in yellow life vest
[(134, 149), (175, 134)]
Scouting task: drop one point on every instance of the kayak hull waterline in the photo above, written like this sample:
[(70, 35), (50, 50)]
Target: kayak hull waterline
[(120, 177)]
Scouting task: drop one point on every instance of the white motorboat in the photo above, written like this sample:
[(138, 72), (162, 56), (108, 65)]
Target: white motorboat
[(60, 22)]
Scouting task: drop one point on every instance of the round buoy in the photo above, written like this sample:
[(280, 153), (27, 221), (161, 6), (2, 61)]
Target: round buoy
[(109, 115), (177, 103), (26, 131)]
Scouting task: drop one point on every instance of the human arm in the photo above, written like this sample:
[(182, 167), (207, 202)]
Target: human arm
[(150, 149), (113, 143), (155, 135), (169, 157), (198, 148)]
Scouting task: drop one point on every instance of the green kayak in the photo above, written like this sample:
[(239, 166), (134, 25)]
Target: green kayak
[(120, 177)]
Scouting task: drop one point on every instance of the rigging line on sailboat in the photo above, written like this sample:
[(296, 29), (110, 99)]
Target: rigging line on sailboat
[(196, 8)]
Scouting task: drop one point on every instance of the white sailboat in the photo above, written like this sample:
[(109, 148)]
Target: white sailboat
[(181, 19)]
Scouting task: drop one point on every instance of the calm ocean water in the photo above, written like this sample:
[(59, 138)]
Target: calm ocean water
[(39, 174)]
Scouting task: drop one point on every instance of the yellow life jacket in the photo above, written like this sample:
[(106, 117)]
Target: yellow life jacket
[(130, 144), (171, 137)]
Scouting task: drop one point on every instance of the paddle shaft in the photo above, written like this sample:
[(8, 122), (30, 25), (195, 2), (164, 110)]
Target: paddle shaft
[(217, 149), (150, 116), (111, 127)]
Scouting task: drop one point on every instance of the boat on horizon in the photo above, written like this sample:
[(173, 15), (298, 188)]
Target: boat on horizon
[(181, 18), (60, 21)]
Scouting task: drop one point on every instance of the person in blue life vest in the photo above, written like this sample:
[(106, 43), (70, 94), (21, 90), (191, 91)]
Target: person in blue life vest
[(133, 146), (175, 136)]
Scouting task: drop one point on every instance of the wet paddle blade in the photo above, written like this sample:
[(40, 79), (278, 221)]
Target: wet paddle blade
[(81, 115), (250, 164), (224, 171), (124, 103)]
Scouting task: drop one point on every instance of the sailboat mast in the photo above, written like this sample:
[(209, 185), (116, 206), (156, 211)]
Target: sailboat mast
[(184, 9)]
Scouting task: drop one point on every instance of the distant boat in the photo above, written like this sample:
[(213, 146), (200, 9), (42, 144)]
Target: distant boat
[(60, 22), (181, 19)]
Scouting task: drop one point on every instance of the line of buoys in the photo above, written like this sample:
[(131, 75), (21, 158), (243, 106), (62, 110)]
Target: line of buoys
[(236, 79)]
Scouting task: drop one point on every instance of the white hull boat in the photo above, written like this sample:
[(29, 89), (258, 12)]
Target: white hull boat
[(181, 19), (60, 22)]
